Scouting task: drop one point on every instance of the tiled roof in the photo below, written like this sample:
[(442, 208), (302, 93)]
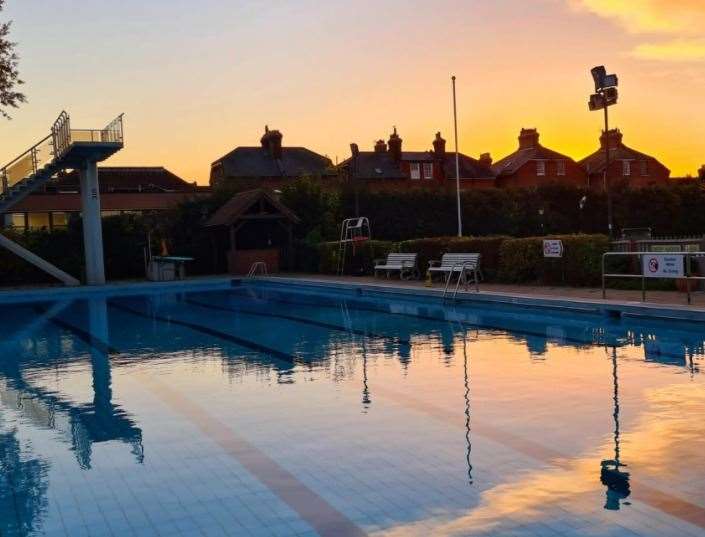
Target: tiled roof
[(595, 162), (373, 164), (127, 179), (240, 203), (259, 162), (511, 163)]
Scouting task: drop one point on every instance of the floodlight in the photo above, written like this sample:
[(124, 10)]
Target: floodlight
[(598, 75)]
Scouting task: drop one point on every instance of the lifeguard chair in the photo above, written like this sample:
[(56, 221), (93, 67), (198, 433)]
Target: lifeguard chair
[(354, 231)]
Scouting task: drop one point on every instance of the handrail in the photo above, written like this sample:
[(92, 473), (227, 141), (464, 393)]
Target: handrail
[(261, 265), (40, 142), (688, 277), (461, 275)]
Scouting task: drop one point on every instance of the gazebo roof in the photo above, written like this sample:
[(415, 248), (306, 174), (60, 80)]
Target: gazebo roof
[(238, 208)]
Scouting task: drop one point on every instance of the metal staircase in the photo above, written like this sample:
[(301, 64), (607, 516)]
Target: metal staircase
[(64, 148)]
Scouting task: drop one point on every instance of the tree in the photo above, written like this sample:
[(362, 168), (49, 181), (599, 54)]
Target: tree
[(9, 75)]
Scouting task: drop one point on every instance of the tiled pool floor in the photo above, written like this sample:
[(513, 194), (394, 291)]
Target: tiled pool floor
[(252, 412)]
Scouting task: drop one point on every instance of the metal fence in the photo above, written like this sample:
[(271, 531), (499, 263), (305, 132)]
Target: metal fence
[(685, 256)]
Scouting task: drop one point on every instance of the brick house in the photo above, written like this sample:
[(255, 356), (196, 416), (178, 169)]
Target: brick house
[(533, 165), (387, 166), (270, 164), (627, 166), (122, 190)]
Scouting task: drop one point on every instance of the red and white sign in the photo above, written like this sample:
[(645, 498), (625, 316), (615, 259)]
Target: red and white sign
[(663, 266)]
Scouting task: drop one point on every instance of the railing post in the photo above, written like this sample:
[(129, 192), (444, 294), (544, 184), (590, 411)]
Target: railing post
[(643, 278), (687, 274), (4, 181), (604, 291)]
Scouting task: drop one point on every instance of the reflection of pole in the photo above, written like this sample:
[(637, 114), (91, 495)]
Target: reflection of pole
[(467, 406), (611, 475), (366, 399), (615, 397)]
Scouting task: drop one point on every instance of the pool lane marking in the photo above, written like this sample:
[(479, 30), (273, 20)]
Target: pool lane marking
[(309, 505), (246, 343), (97, 343), (641, 491), (302, 320)]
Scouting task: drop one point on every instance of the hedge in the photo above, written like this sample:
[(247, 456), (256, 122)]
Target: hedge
[(504, 259), (522, 261)]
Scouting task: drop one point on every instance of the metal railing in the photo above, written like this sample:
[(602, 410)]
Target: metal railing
[(28, 163), (54, 146), (688, 276), (257, 267), (465, 267)]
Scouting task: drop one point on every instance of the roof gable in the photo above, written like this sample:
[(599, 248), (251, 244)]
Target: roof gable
[(242, 204)]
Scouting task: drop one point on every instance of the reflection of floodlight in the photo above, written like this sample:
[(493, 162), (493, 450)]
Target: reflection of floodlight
[(582, 202)]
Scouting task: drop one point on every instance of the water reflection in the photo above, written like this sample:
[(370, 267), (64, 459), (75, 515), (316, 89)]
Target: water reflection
[(23, 487), (83, 424), (611, 474)]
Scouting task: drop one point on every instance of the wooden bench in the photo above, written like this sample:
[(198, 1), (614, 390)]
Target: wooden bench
[(405, 264), (469, 263)]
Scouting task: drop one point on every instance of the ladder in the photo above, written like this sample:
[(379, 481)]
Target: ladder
[(257, 267), (463, 269)]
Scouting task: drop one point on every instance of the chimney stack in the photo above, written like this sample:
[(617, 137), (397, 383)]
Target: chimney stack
[(272, 142), (701, 173), (395, 146), (486, 159), (354, 150), (614, 136), (380, 146), (439, 147), (528, 138)]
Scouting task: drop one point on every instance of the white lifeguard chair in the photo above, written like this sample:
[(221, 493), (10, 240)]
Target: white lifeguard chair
[(354, 231)]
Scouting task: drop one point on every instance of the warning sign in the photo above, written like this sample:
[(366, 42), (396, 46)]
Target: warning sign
[(663, 266)]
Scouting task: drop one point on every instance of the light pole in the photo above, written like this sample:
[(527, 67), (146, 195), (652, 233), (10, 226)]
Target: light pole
[(605, 96), (457, 162)]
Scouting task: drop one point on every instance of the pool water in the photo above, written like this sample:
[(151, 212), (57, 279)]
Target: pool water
[(272, 410)]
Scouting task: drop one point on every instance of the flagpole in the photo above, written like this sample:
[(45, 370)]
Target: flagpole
[(457, 162)]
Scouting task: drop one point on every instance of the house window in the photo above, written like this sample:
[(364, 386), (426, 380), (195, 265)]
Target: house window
[(38, 220), (59, 220), (626, 168), (428, 170), (17, 220), (560, 167), (540, 167), (644, 168), (415, 170)]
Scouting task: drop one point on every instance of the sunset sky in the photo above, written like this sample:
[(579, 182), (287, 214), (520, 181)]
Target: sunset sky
[(197, 78)]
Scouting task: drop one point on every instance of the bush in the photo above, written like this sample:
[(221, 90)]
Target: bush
[(357, 264), (522, 261), (434, 248)]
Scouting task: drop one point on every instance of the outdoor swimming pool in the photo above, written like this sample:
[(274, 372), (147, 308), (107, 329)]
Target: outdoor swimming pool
[(266, 409)]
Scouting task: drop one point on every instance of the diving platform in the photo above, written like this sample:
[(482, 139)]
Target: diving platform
[(65, 148)]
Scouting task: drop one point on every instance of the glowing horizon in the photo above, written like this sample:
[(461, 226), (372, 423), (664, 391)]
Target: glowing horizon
[(195, 83)]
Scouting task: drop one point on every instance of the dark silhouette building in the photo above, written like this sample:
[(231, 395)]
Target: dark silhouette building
[(627, 166), (533, 164), (270, 164)]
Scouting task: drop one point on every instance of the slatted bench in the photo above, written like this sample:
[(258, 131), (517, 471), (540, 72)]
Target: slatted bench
[(404, 264), (455, 262)]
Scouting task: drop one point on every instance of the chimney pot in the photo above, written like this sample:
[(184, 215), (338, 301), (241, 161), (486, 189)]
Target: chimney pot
[(528, 138), (272, 142), (614, 136), (439, 147), (395, 145), (486, 159)]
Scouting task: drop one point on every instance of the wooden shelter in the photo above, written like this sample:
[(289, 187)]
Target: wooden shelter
[(253, 226)]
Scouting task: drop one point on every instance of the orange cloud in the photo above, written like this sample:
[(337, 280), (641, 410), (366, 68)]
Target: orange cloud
[(682, 18)]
